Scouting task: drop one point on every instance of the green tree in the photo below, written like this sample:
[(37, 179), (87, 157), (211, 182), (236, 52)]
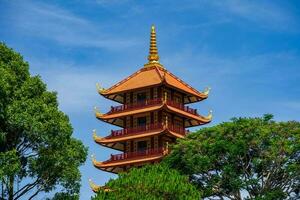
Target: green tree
[(247, 158), (152, 182), (37, 151), (65, 196)]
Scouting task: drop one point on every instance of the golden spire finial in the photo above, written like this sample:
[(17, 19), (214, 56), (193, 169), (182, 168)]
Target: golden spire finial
[(153, 53)]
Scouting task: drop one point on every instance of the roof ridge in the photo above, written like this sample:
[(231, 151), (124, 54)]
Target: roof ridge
[(157, 70), (131, 76), (183, 82), (125, 79)]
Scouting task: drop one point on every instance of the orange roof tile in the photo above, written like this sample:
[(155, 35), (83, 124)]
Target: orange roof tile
[(151, 76)]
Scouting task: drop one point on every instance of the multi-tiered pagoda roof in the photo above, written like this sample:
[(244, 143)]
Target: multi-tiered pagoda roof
[(152, 114)]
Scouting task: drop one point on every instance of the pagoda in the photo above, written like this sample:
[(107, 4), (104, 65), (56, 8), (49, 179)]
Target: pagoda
[(153, 113)]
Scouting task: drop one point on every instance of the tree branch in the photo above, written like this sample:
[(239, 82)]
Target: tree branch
[(36, 193), (26, 188)]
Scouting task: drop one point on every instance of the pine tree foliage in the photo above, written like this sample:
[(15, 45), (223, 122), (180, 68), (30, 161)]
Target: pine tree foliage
[(152, 182)]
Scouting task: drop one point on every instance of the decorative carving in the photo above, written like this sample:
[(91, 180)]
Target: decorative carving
[(99, 88), (206, 90), (166, 150), (210, 115), (95, 136), (94, 187), (97, 112), (165, 96), (93, 158), (167, 120), (95, 162)]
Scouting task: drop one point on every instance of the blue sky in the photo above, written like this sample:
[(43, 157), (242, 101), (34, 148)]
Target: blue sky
[(248, 52)]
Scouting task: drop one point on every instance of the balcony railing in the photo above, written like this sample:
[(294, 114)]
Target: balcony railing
[(143, 104), (135, 130), (182, 107), (146, 128), (130, 155), (151, 102)]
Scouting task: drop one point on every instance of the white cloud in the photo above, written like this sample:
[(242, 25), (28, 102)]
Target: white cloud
[(263, 14), (76, 87), (64, 27), (266, 14), (224, 72)]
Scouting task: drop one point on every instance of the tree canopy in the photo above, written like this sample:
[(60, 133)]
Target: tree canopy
[(152, 182), (37, 150), (246, 158)]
